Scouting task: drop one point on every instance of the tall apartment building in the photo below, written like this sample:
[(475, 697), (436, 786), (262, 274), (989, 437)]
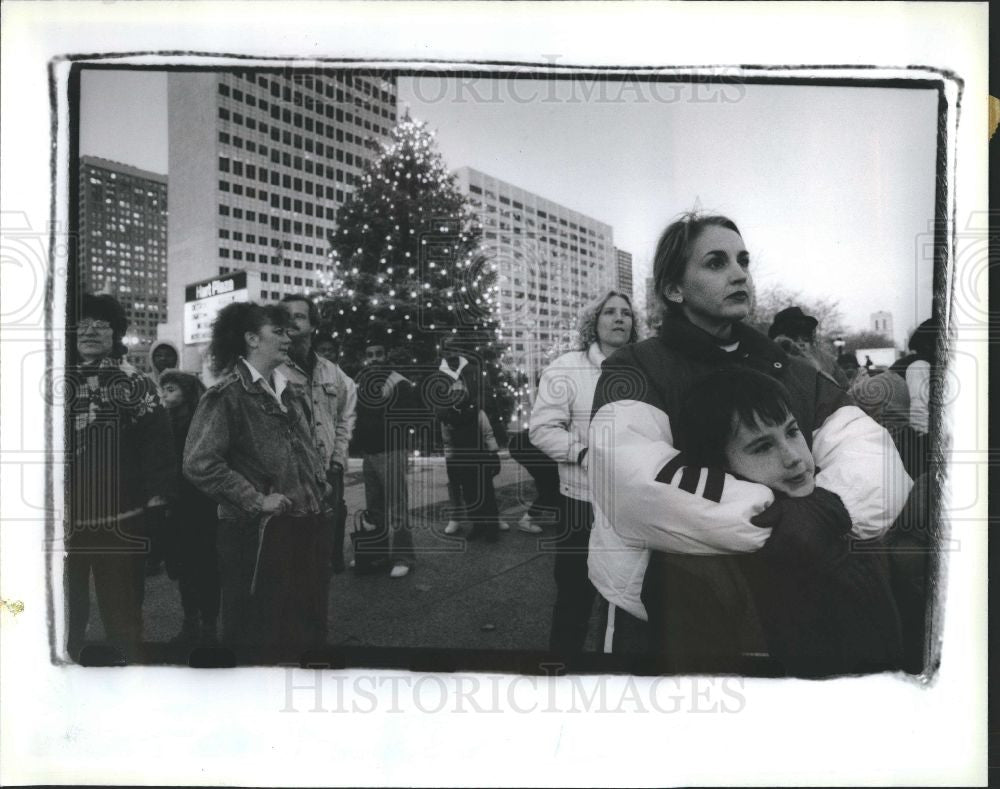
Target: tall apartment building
[(551, 260), (123, 244), (881, 323), (259, 162), (623, 261)]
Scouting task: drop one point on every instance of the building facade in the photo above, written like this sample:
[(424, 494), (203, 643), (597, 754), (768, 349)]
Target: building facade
[(623, 261), (259, 163), (123, 245), (551, 260), (881, 323)]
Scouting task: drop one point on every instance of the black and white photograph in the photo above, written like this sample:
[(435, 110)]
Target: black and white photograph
[(400, 386)]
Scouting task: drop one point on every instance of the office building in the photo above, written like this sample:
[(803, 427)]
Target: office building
[(123, 245), (259, 162), (623, 261), (551, 260)]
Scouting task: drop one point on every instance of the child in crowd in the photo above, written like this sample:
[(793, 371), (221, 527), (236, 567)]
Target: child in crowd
[(473, 460), (191, 552), (825, 603)]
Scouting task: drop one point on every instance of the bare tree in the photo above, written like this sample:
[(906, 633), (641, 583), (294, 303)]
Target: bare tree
[(865, 339), (770, 300)]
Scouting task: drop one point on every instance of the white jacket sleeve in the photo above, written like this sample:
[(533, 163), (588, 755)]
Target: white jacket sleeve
[(858, 461), (652, 499), (551, 416)]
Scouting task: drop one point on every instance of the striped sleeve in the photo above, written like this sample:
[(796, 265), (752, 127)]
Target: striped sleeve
[(647, 492)]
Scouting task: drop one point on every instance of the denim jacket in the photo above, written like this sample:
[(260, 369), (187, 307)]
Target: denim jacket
[(241, 447), (333, 398)]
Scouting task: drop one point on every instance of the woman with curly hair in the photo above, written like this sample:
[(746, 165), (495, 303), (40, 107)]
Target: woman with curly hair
[(659, 512), (121, 472), (560, 419), (250, 448)]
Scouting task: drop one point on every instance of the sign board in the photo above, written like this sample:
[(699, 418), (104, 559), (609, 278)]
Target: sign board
[(203, 300)]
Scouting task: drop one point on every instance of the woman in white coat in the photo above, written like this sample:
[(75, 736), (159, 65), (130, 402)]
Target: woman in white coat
[(560, 422)]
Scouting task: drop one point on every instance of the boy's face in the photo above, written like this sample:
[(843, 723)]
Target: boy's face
[(773, 455)]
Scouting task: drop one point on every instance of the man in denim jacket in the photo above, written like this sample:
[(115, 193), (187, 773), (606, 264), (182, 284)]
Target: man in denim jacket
[(332, 396)]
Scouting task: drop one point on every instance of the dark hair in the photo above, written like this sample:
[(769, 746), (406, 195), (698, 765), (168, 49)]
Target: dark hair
[(587, 324), (107, 308), (705, 422), (849, 359), (314, 318), (923, 341), (190, 386), (674, 247), (235, 320)]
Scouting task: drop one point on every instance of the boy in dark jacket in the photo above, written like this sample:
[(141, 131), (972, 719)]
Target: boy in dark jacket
[(824, 602)]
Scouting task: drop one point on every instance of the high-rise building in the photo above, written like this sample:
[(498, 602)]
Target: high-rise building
[(123, 244), (259, 162), (881, 323), (624, 272), (551, 260)]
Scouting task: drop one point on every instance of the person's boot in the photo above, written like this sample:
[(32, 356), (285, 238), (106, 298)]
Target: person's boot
[(189, 632)]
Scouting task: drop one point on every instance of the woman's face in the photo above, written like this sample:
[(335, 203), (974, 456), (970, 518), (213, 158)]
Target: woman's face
[(271, 344), (773, 455), (715, 289), (94, 339), (614, 323)]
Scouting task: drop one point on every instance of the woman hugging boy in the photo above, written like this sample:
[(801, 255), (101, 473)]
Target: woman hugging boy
[(824, 601)]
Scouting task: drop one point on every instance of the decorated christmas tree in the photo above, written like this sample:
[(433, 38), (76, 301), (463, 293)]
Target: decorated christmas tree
[(407, 258)]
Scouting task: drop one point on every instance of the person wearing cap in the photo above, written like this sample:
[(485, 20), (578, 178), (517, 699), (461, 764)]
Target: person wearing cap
[(121, 473), (795, 332), (386, 407), (333, 397)]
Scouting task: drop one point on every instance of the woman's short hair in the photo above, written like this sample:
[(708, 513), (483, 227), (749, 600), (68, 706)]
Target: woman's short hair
[(674, 248), (232, 323), (705, 421), (587, 325), (190, 386), (104, 307)]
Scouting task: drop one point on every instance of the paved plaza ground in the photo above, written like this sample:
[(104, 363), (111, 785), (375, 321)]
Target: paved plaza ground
[(461, 594)]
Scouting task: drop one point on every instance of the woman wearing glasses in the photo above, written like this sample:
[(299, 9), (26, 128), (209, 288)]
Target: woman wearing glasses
[(250, 448), (121, 471)]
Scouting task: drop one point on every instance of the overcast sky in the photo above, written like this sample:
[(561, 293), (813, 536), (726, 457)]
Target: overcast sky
[(833, 188)]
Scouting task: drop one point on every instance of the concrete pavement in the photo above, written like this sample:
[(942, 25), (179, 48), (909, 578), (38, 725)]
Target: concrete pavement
[(460, 595)]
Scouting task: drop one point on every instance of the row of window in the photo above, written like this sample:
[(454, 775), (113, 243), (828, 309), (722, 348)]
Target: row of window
[(274, 260), (300, 121), (477, 190), (276, 223), (264, 241), (297, 121), (385, 93)]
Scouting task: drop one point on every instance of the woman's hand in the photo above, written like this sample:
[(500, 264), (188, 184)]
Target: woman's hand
[(275, 504)]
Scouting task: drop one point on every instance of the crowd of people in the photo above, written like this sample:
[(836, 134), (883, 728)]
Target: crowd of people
[(710, 494)]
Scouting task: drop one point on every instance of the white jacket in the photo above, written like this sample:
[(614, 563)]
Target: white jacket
[(647, 496), (560, 417)]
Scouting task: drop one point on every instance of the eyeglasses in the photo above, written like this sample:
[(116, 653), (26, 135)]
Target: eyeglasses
[(86, 324)]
